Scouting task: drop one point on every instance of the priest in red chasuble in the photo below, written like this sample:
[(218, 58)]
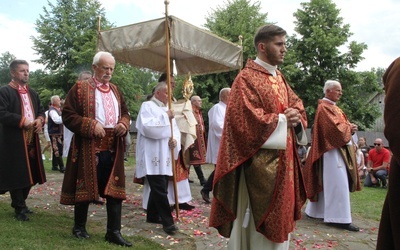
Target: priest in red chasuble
[(330, 171), (197, 151), (258, 185)]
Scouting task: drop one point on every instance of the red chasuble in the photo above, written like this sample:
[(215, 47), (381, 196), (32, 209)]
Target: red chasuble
[(273, 177)]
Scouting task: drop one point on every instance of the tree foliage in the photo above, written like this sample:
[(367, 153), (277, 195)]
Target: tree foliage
[(316, 56), (233, 19), (66, 45), (67, 38), (5, 59)]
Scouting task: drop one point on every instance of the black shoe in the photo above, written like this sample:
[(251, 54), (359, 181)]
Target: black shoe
[(98, 202), (191, 181), (55, 169), (349, 227), (186, 206), (62, 169), (27, 211), (171, 229), (22, 217), (125, 160), (314, 218), (80, 233), (205, 196), (154, 221), (384, 187), (116, 238)]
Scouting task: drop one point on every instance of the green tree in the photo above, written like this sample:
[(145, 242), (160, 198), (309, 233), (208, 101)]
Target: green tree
[(5, 59), (67, 39), (316, 56), (67, 43), (233, 19)]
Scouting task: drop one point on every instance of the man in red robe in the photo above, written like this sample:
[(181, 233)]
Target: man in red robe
[(389, 230), (259, 192), (197, 151), (21, 119), (95, 111), (330, 171)]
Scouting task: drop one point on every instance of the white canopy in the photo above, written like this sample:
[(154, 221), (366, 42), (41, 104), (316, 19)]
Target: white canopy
[(193, 50)]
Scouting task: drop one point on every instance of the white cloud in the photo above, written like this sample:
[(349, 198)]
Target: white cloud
[(376, 25), (17, 40)]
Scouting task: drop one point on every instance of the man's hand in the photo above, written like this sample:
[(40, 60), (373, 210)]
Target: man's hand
[(99, 131), (293, 117), (119, 129), (172, 143), (354, 128), (37, 124), (27, 124), (171, 114)]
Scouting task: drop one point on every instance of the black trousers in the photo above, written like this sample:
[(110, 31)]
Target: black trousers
[(209, 184), (104, 168), (158, 205), (57, 146), (18, 198), (114, 206)]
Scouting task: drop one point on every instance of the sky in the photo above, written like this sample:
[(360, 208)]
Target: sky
[(376, 24)]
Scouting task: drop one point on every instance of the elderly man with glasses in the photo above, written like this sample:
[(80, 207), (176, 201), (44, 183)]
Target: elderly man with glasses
[(378, 164)]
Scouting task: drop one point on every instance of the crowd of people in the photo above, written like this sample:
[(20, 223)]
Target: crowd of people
[(263, 174)]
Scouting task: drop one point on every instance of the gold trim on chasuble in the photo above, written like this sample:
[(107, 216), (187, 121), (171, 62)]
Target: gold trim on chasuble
[(279, 88)]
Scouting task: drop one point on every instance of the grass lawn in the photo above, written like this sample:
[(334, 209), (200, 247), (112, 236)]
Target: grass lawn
[(51, 229), (368, 202)]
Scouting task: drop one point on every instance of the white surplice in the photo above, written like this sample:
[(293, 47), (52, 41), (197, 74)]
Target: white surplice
[(216, 116), (333, 203), (153, 155)]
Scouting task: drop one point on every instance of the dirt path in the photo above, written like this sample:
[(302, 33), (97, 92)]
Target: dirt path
[(194, 232)]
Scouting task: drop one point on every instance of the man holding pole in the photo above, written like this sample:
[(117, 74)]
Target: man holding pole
[(153, 154)]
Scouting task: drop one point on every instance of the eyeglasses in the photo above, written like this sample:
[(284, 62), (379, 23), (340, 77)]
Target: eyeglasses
[(377, 144)]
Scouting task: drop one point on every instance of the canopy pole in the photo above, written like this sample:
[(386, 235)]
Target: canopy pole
[(241, 52), (166, 2), (98, 23)]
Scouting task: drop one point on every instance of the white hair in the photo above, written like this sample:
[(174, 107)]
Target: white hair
[(329, 84), (222, 92), (53, 98), (99, 54)]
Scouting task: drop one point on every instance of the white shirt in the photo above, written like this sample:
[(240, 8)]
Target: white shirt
[(216, 116), (57, 119), (153, 155), (100, 113)]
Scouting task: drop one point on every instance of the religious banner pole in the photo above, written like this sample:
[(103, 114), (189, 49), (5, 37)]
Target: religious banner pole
[(166, 2)]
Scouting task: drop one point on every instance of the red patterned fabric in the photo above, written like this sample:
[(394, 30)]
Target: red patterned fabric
[(108, 103), (331, 130), (80, 178), (181, 170), (275, 184), (26, 101), (197, 151)]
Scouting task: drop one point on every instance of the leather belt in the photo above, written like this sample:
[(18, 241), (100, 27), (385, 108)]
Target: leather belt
[(29, 133), (107, 142)]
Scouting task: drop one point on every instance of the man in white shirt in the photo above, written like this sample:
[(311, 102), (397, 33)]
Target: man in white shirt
[(216, 116), (55, 129), (153, 155)]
